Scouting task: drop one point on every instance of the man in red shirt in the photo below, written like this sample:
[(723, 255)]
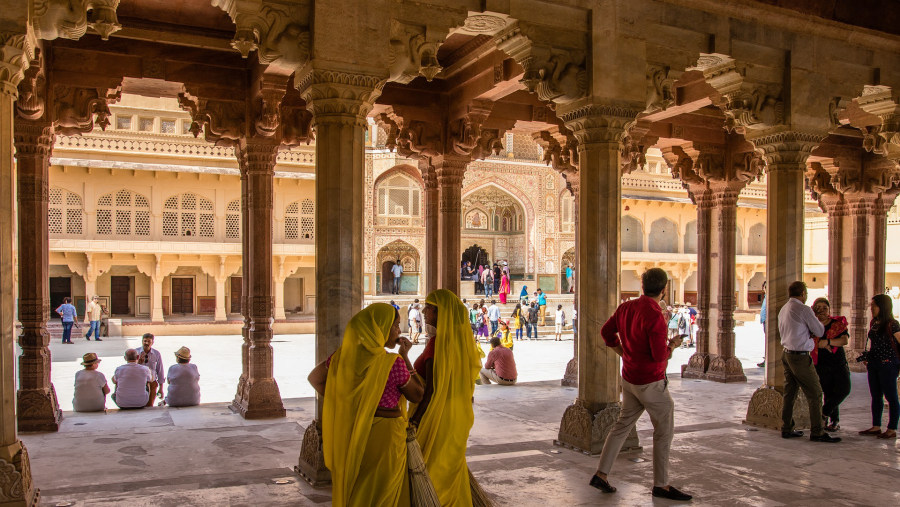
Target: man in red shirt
[(500, 365), (637, 332)]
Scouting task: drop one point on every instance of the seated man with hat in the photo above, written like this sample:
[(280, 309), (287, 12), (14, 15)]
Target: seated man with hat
[(90, 386), (184, 381), (132, 382)]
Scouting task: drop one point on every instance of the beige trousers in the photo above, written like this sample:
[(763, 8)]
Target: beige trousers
[(656, 400), (488, 375)]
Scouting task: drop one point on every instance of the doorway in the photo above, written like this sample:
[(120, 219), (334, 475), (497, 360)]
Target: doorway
[(60, 288), (475, 255), (387, 277), (236, 289), (182, 296), (121, 289)]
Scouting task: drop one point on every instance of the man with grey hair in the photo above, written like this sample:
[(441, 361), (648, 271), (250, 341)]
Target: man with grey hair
[(92, 315), (132, 382)]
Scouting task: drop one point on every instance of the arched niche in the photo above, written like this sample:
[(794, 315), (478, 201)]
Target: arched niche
[(663, 236), (632, 234)]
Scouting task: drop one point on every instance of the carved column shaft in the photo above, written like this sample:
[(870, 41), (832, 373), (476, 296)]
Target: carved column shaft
[(432, 202), (449, 171), (837, 211), (861, 212), (38, 409), (699, 361), (261, 397), (245, 289), (570, 379)]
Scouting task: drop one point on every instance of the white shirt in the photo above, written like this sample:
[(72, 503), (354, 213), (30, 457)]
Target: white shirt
[(184, 385), (796, 322), (131, 385), (397, 270), (154, 362), (494, 312), (89, 395), (560, 316), (414, 315)]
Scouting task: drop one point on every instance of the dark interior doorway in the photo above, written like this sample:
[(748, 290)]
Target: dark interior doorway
[(60, 287), (183, 295), (387, 277), (236, 290), (121, 289), (476, 255)]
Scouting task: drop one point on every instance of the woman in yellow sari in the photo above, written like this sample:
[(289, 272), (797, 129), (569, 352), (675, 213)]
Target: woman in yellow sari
[(450, 364), (363, 423)]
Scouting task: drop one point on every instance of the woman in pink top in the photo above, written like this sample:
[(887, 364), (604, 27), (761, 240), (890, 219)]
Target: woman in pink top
[(504, 287)]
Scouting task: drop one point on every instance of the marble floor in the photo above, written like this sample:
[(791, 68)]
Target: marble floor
[(207, 455)]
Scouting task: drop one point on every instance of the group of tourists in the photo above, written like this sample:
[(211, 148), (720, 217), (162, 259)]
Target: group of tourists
[(486, 321), (139, 381), (93, 314), (488, 280)]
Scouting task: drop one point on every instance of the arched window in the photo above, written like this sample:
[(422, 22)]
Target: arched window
[(567, 212), (188, 215), (66, 213), (632, 234), (399, 198), (300, 220), (123, 213), (757, 242), (690, 237), (663, 236), (738, 241), (233, 219)]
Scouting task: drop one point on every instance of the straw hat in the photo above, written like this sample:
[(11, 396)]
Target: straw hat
[(183, 353), (89, 359)]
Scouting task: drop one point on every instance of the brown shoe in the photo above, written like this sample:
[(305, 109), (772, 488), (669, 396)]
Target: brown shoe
[(871, 431), (888, 434)]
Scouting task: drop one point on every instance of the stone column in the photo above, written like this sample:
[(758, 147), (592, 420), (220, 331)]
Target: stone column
[(339, 102), (743, 280), (220, 314), (156, 292), (699, 361), (599, 129), (279, 298), (17, 487), (570, 378), (245, 289), (785, 153), (261, 397), (432, 202), (725, 367), (449, 171), (38, 409), (836, 209)]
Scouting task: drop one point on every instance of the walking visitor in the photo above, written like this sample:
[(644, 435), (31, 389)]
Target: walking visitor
[(69, 318), (542, 304), (504, 288), (533, 320), (559, 321), (92, 315), (494, 316), (518, 320)]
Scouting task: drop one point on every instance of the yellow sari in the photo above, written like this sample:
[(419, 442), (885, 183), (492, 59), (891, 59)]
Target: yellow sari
[(366, 454), (444, 428)]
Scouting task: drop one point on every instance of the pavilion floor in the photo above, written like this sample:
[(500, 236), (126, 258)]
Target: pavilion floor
[(208, 456)]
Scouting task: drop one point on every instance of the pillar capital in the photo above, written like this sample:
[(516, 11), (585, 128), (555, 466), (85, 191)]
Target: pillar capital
[(16, 51), (338, 96), (593, 123), (786, 150)]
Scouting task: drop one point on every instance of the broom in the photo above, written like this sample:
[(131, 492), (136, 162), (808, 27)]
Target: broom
[(479, 497), (421, 490)]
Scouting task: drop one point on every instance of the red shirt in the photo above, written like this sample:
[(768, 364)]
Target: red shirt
[(640, 327), (427, 354), (501, 360)]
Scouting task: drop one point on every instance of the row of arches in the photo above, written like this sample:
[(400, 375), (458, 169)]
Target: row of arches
[(663, 237)]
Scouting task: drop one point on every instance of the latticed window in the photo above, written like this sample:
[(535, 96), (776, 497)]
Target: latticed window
[(188, 215), (300, 220), (123, 213), (233, 219), (567, 212), (399, 201), (66, 213)]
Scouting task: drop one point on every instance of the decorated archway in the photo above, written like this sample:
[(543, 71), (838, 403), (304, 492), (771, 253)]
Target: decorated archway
[(409, 259)]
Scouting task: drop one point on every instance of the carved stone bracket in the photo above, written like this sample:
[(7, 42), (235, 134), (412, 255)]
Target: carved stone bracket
[(77, 110), (413, 53), (660, 87), (765, 409), (786, 149), (877, 114), (470, 138), (634, 147), (70, 19), (561, 153), (311, 465), (16, 51), (223, 122), (278, 32)]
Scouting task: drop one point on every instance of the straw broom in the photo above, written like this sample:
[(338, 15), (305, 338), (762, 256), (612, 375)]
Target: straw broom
[(421, 490), (479, 497)]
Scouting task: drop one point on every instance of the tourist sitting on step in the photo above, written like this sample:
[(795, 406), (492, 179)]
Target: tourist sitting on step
[(184, 381), (500, 366), (504, 335), (363, 425), (132, 381), (90, 386)]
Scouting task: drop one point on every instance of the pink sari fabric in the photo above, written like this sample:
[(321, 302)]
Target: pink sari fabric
[(837, 328)]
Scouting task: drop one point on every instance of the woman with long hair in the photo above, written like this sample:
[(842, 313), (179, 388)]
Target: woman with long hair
[(364, 420), (450, 364), (831, 362), (883, 365), (518, 320)]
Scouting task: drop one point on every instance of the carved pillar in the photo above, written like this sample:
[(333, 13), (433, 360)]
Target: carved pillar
[(785, 153), (38, 409), (725, 367), (245, 289), (156, 293), (743, 281), (339, 103), (16, 487), (699, 361), (836, 209), (279, 289), (432, 202), (220, 313), (570, 378), (449, 171), (598, 129), (261, 397)]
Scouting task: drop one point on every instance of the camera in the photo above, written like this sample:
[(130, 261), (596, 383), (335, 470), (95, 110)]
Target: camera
[(862, 357)]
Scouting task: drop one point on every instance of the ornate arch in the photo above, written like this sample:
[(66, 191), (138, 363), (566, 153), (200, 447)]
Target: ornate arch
[(409, 256)]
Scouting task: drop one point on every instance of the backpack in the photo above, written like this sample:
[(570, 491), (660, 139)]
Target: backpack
[(673, 322)]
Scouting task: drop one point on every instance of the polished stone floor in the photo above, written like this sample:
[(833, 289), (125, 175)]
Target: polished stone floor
[(208, 456)]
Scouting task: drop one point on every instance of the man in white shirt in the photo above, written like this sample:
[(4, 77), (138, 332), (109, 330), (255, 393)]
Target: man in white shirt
[(494, 316), (397, 271), (132, 382), (92, 315), (151, 358), (797, 323)]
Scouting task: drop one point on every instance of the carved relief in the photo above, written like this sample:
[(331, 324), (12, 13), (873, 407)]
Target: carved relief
[(69, 19), (32, 91), (660, 89), (412, 54), (222, 122), (554, 75), (76, 108), (280, 36)]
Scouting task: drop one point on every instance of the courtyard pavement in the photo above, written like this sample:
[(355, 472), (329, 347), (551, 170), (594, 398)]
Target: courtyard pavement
[(204, 456)]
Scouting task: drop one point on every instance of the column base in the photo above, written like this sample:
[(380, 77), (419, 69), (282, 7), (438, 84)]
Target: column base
[(16, 486), (765, 409), (239, 394), (725, 370), (311, 465), (570, 379), (696, 367), (38, 410), (583, 431), (260, 399), (855, 366)]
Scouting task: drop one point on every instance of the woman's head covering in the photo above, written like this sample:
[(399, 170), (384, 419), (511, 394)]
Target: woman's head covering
[(524, 292), (356, 378), (444, 429)]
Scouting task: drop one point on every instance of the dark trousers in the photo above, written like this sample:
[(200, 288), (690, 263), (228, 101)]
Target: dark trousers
[(883, 386), (799, 373), (835, 382), (494, 325), (67, 332), (396, 288)]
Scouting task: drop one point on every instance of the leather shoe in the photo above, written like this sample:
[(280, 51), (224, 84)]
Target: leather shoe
[(791, 434), (671, 494), (825, 437), (602, 485)]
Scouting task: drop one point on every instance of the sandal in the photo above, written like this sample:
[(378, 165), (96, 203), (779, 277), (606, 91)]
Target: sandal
[(888, 435), (870, 431), (833, 427)]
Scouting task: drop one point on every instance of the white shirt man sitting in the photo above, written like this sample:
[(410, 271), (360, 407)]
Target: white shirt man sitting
[(184, 381), (132, 382)]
